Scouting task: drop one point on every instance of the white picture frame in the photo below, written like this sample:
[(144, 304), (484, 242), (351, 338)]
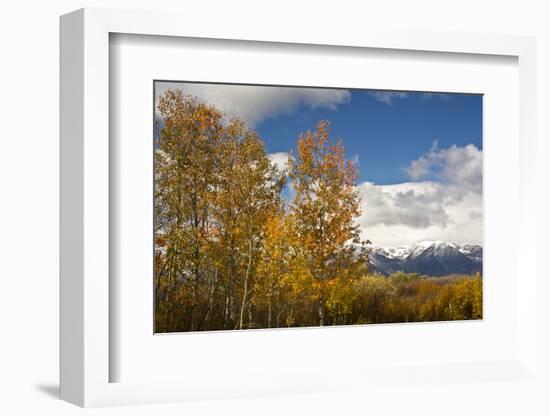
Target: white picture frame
[(85, 353)]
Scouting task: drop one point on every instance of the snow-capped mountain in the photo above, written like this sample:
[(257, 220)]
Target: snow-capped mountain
[(432, 258)]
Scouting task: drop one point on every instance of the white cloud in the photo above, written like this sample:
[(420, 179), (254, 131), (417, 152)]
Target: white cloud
[(406, 213), (387, 97), (446, 206), (256, 103), (280, 159), (415, 205), (461, 167)]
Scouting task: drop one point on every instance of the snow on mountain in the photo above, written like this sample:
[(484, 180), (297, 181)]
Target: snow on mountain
[(472, 251), (395, 252), (432, 258)]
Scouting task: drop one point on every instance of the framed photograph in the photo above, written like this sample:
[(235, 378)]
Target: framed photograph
[(281, 213), (263, 220)]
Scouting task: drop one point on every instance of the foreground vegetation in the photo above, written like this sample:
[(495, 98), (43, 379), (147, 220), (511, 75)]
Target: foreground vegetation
[(412, 298), (230, 253), (372, 299)]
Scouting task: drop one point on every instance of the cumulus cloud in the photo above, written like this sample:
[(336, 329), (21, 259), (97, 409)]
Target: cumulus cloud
[(415, 205), (254, 104), (443, 202), (387, 97), (406, 213), (461, 167)]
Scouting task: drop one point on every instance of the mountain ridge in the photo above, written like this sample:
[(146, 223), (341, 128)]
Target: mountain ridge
[(429, 257)]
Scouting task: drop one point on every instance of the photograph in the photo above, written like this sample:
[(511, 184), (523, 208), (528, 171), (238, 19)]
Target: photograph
[(282, 206)]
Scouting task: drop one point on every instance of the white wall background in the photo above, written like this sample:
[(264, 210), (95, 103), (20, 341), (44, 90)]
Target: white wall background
[(29, 101)]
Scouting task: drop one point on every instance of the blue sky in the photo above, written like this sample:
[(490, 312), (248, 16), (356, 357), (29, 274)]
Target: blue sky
[(420, 154), (384, 135)]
